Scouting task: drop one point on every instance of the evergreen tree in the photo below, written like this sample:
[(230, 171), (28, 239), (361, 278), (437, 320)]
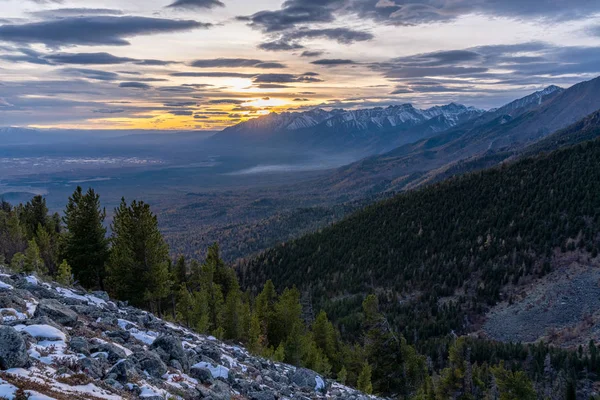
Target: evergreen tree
[(48, 249), (64, 275), (181, 273), (35, 212), (342, 376), (513, 385), (286, 318), (33, 262), (264, 306), (255, 336), (325, 336), (364, 380), (185, 305), (138, 263), (86, 245)]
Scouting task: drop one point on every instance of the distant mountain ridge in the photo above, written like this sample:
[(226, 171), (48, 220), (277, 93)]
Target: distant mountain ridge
[(369, 130)]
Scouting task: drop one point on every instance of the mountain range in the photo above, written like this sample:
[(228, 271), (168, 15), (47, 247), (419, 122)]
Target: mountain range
[(365, 131)]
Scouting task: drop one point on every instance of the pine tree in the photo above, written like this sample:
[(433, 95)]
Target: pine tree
[(233, 319), (255, 337), (185, 305), (34, 213), (86, 245), (279, 354), (265, 308), (64, 275), (286, 318), (18, 262), (160, 284), (47, 246), (201, 312), (364, 380), (342, 376), (181, 273), (33, 261), (138, 263), (325, 336)]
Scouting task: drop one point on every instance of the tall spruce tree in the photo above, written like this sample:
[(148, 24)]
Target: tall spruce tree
[(139, 261), (86, 246)]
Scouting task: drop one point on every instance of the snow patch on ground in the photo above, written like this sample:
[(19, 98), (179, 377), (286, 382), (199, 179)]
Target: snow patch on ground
[(217, 371), (42, 332)]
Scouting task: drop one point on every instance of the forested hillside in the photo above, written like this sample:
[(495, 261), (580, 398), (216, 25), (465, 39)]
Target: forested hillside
[(438, 257)]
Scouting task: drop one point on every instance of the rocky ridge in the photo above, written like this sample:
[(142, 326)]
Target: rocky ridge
[(59, 343)]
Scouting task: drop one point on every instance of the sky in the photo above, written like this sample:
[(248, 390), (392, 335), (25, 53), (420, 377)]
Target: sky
[(209, 64)]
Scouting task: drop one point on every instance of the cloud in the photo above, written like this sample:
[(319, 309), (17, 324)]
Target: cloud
[(236, 63), (330, 62), (213, 74), (341, 35), (183, 113), (594, 31), (92, 31), (271, 86), (280, 45), (175, 104), (97, 59), (290, 40), (93, 74), (26, 55), (296, 13), (135, 85), (187, 4), (109, 111), (483, 69), (77, 12), (309, 53), (284, 78), (226, 101)]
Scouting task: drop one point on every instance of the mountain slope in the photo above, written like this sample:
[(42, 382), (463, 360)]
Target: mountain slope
[(493, 131), (439, 256), (67, 344)]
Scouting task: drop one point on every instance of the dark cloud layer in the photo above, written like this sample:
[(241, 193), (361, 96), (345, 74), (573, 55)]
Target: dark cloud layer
[(92, 31), (187, 4), (74, 12), (236, 63), (330, 62), (135, 85), (295, 13), (482, 68)]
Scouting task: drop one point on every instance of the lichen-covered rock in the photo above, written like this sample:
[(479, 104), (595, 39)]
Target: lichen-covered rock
[(13, 349), (151, 363), (57, 312), (173, 349), (80, 345)]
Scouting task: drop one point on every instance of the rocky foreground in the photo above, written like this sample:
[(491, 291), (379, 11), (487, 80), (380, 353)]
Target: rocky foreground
[(61, 343)]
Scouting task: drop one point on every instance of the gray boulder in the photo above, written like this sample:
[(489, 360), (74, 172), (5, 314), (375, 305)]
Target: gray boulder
[(13, 349), (80, 345), (124, 372), (151, 363), (54, 310), (92, 367), (171, 347), (266, 395), (305, 379), (203, 375)]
